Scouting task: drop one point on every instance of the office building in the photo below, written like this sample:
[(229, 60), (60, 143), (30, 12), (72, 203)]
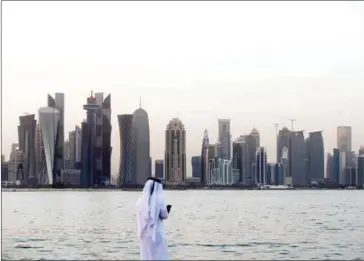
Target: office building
[(67, 155), (78, 147), (71, 177), (58, 103), (334, 176), (360, 169), (49, 125), (224, 139), (40, 169), (251, 140), (255, 134), (344, 144), (260, 175), (96, 141), (196, 166), (26, 136), (329, 166), (282, 143), (205, 173), (159, 169), (220, 172), (125, 134), (297, 159), (241, 158), (4, 169), (175, 152), (315, 157), (275, 174), (140, 157), (72, 148)]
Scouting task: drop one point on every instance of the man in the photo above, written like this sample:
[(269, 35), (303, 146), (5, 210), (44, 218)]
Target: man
[(151, 210)]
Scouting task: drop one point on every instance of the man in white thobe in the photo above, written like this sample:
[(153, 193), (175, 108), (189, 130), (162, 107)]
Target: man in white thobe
[(151, 210)]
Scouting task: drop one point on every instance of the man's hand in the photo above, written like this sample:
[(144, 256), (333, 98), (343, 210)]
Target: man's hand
[(169, 208)]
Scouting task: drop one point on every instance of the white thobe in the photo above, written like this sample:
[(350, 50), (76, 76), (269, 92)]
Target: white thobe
[(158, 249)]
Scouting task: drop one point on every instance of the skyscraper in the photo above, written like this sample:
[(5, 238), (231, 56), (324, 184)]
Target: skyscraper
[(15, 164), (72, 148), (159, 169), (335, 178), (78, 147), (329, 166), (224, 139), (140, 157), (58, 103), (40, 168), (360, 169), (241, 159), (49, 125), (297, 158), (315, 157), (205, 159), (26, 135), (125, 133), (175, 152), (283, 142), (255, 134), (260, 176), (196, 166), (344, 143)]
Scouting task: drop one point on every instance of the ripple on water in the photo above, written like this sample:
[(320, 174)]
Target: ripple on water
[(219, 225)]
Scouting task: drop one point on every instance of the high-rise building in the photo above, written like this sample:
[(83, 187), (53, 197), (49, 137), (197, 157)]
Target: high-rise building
[(335, 176), (344, 143), (140, 157), (224, 139), (297, 159), (4, 169), (96, 141), (58, 103), (196, 166), (49, 125), (241, 157), (260, 175), (26, 135), (252, 147), (125, 133), (72, 148), (205, 159), (255, 134), (159, 169), (275, 174), (220, 172), (315, 157), (175, 152), (360, 169), (282, 143), (67, 155), (329, 166), (40, 168), (78, 147)]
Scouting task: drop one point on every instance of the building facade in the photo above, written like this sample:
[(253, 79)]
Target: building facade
[(224, 139), (49, 125), (297, 159), (315, 157), (241, 158), (260, 175), (344, 144), (205, 173), (140, 157), (159, 169), (360, 171), (175, 152), (125, 134), (196, 166)]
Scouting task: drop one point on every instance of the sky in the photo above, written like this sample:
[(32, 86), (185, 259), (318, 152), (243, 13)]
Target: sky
[(256, 63)]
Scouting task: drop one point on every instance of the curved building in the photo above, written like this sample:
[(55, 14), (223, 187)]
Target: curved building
[(49, 124), (315, 157), (297, 158), (140, 157), (125, 132)]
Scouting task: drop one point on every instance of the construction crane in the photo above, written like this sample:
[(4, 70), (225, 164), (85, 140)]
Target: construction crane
[(292, 123)]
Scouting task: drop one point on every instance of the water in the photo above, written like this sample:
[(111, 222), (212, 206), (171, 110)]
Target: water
[(202, 225)]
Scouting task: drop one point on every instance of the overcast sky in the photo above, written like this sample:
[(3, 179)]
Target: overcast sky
[(253, 62)]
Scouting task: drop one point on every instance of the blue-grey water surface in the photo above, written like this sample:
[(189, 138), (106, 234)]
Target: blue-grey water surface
[(202, 225)]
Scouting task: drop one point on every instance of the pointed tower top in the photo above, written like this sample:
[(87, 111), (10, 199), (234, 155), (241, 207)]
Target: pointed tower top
[(140, 101)]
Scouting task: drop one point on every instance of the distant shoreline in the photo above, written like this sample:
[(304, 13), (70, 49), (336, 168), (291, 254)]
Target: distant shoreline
[(139, 189)]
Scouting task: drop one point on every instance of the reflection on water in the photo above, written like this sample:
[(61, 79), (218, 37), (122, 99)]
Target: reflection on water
[(203, 225)]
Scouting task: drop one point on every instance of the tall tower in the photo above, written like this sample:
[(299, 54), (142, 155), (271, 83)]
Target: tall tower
[(125, 133), (344, 143), (175, 152), (224, 139), (315, 157), (140, 157), (260, 176), (205, 159)]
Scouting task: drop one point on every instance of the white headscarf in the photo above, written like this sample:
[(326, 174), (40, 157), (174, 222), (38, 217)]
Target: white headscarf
[(148, 208)]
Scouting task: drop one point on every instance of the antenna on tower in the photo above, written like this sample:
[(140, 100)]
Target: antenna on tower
[(292, 122), (140, 101)]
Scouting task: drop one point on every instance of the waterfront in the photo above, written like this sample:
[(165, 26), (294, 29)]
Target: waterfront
[(301, 224)]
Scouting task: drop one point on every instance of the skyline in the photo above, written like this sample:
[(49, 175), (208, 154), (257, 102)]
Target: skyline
[(199, 71)]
